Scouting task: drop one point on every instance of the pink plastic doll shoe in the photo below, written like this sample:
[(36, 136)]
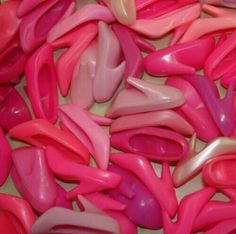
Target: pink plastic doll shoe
[(157, 27), (35, 26), (41, 133), (132, 54), (156, 144), (80, 124), (40, 73), (144, 171), (12, 62), (190, 206), (229, 78), (89, 12), (216, 211), (124, 10), (9, 22), (167, 118), (91, 179), (179, 62), (149, 9), (64, 220), (109, 70), (221, 110), (26, 6), (138, 199), (81, 91), (33, 178), (5, 158), (219, 172), (13, 109), (225, 3), (19, 211), (190, 166), (226, 226), (126, 226), (77, 41), (144, 97), (104, 202), (222, 59), (195, 111)]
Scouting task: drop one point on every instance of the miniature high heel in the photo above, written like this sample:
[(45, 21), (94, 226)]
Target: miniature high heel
[(144, 97)]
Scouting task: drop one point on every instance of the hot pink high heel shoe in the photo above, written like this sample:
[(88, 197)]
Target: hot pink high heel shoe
[(12, 62), (33, 178), (132, 54), (138, 199), (190, 166), (68, 221), (156, 144), (167, 118), (80, 124), (124, 10), (35, 26), (194, 110), (13, 109), (109, 68), (219, 172), (142, 168), (179, 62), (40, 73), (76, 42), (19, 211), (41, 133), (91, 179), (9, 22), (88, 13), (144, 97), (5, 158), (190, 206), (157, 27)]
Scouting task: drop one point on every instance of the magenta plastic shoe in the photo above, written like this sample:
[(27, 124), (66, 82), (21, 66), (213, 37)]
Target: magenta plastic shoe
[(195, 111), (144, 171), (132, 54), (168, 119), (222, 59), (76, 41), (81, 90), (5, 158), (13, 109), (91, 179), (221, 110), (156, 144), (225, 3), (35, 26), (80, 124), (41, 133), (33, 179), (179, 60), (144, 97), (229, 78), (88, 13), (19, 214), (138, 199), (12, 62), (219, 172), (226, 226), (190, 166), (26, 6), (126, 226), (216, 211), (109, 70), (149, 9), (123, 10), (190, 206), (9, 22), (159, 26), (40, 73)]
